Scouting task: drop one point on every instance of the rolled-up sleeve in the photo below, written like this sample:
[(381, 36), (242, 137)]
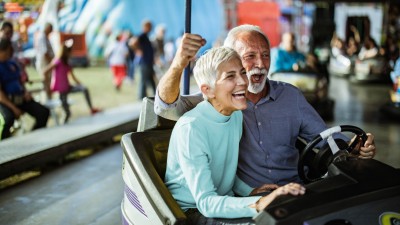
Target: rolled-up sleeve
[(176, 109)]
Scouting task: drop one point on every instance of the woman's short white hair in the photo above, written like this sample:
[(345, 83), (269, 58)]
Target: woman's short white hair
[(206, 69), (231, 38)]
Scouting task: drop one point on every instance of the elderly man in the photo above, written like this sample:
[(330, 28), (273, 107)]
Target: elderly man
[(277, 113)]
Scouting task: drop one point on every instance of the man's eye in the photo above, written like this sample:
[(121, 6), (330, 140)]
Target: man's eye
[(248, 57)]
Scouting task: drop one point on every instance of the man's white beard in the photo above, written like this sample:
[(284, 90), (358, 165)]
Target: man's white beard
[(258, 87)]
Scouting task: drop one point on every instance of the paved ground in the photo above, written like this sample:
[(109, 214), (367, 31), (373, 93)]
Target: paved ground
[(359, 105), (86, 191)]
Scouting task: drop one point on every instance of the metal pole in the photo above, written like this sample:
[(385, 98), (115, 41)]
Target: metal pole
[(188, 17)]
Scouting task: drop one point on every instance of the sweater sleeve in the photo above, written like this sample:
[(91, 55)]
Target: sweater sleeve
[(194, 161), (241, 188)]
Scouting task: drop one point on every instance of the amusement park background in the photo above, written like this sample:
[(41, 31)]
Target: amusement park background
[(313, 21)]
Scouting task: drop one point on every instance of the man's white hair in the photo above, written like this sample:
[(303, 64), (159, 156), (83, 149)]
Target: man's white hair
[(231, 38), (206, 69)]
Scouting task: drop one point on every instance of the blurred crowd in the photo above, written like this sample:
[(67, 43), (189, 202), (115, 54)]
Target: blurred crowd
[(142, 54)]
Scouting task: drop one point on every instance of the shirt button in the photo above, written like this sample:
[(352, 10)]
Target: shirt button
[(269, 171), (260, 142), (255, 107)]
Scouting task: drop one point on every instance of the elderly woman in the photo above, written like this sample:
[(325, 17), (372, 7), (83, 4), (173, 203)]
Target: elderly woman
[(204, 147)]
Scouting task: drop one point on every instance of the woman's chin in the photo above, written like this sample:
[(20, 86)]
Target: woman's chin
[(241, 106)]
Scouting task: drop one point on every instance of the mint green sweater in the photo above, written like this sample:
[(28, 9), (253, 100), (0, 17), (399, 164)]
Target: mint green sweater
[(202, 162)]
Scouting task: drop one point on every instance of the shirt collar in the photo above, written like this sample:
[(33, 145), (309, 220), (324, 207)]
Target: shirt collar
[(271, 95), (271, 91)]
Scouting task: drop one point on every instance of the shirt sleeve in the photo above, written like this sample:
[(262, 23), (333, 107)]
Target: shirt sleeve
[(312, 124), (194, 160), (176, 109), (241, 188)]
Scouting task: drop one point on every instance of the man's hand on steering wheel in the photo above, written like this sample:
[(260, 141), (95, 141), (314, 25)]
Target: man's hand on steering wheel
[(367, 151)]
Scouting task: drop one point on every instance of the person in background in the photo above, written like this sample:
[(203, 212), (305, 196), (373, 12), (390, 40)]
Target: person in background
[(286, 57), (159, 51), (276, 115), (369, 49), (7, 32), (146, 62), (61, 70), (395, 73), (337, 46), (15, 100), (202, 163), (353, 43), (158, 44), (130, 42), (44, 55), (117, 54), (169, 50)]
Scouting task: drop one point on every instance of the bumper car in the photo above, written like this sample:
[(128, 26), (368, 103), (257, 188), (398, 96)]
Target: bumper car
[(370, 70), (341, 65), (392, 108), (341, 188), (352, 191), (313, 86)]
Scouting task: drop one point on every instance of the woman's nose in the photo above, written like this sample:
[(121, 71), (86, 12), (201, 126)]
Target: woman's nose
[(242, 80)]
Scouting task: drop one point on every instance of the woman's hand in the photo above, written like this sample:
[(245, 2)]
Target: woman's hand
[(291, 188)]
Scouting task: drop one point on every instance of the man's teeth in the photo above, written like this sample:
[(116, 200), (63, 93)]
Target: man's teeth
[(257, 77)]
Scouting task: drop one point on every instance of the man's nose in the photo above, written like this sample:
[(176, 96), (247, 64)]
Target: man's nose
[(259, 62)]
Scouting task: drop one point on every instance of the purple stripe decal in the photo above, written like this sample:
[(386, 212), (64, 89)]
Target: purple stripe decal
[(134, 200), (124, 220)]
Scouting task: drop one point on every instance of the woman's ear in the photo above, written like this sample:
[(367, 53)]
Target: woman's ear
[(207, 91)]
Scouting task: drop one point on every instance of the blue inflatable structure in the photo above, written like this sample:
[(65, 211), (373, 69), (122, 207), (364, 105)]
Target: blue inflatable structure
[(102, 20)]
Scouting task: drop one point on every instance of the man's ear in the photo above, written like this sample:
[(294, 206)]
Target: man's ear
[(207, 91)]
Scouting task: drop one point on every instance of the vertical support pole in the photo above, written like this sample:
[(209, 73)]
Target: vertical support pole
[(188, 20)]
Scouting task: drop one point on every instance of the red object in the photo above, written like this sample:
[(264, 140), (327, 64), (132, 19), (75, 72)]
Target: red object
[(119, 74), (263, 14), (13, 7), (79, 48)]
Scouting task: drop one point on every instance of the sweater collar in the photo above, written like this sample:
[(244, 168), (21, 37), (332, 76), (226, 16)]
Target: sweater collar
[(211, 113)]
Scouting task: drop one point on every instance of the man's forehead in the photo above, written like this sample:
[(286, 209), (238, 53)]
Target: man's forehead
[(251, 41)]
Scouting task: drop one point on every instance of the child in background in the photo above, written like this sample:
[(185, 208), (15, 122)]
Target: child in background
[(60, 79), (117, 53)]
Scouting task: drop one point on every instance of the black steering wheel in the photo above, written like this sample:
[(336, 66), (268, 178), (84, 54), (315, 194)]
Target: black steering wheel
[(339, 153)]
